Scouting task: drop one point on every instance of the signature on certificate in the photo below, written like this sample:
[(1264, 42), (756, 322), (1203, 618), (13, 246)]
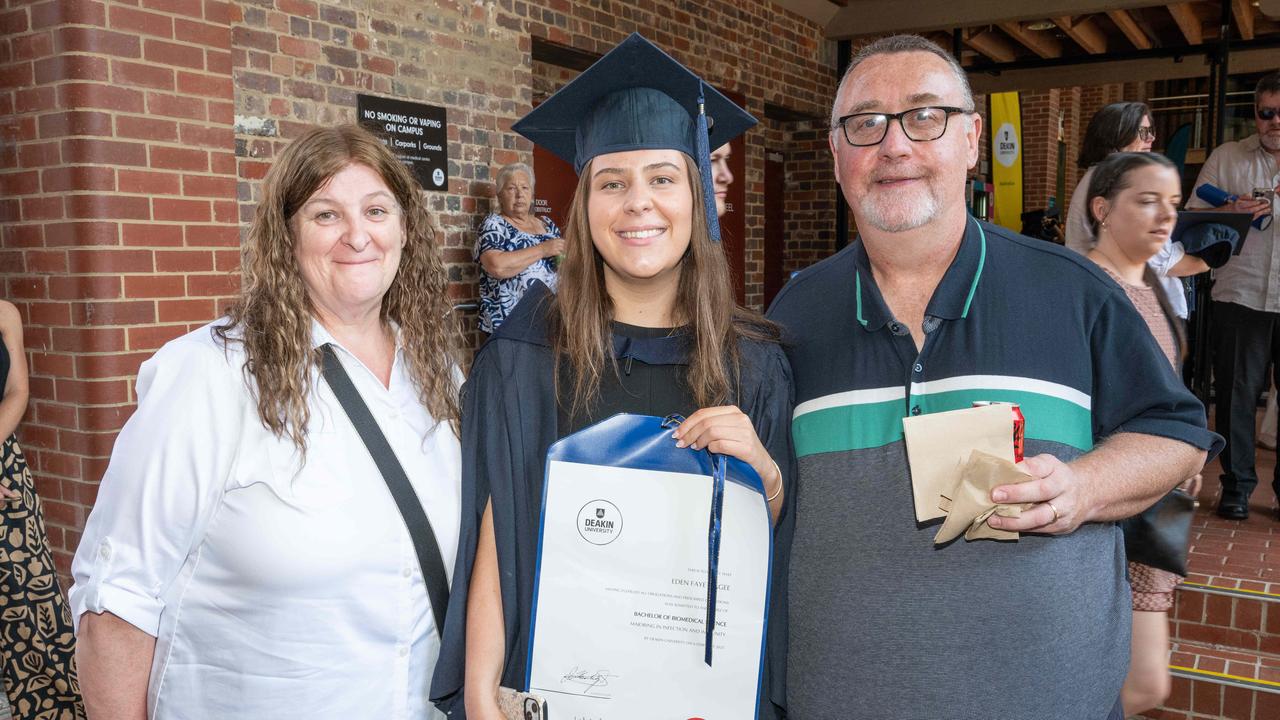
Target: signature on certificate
[(588, 680)]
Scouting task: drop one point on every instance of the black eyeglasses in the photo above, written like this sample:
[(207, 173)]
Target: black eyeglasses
[(1146, 133), (1267, 114), (920, 124)]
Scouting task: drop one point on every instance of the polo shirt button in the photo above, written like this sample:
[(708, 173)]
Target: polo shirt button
[(918, 368), (915, 409), (408, 572), (404, 651)]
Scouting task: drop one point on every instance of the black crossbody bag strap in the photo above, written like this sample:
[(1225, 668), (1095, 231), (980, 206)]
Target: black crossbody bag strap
[(415, 518)]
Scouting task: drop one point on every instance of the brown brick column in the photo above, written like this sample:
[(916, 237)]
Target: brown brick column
[(119, 213)]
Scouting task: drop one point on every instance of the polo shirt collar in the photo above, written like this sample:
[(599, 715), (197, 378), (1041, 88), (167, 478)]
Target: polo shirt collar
[(951, 299)]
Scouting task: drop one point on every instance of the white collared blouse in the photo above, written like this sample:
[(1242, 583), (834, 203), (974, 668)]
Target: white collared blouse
[(274, 588)]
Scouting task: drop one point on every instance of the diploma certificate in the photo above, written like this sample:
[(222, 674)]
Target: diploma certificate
[(620, 602)]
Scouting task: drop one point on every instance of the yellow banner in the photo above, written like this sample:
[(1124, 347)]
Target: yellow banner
[(1006, 159)]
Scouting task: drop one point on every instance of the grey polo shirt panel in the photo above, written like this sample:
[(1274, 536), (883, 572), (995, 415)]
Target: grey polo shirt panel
[(884, 624), (1034, 629)]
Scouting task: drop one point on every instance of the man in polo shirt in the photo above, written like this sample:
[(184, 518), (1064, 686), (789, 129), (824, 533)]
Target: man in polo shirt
[(928, 311)]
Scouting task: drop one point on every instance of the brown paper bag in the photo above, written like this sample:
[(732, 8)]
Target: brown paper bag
[(940, 443), (971, 503)]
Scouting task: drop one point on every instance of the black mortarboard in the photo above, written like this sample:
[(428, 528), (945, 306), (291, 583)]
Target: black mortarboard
[(1211, 236), (637, 97)]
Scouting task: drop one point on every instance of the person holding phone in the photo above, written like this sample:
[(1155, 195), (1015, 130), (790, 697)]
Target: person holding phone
[(1246, 295)]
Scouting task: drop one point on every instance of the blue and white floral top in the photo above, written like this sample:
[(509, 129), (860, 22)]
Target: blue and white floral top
[(498, 297)]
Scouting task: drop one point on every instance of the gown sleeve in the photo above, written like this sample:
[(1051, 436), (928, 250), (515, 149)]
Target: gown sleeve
[(500, 441), (770, 409), (447, 683)]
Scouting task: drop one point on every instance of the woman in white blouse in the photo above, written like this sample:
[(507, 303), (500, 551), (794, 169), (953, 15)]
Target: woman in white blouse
[(245, 557)]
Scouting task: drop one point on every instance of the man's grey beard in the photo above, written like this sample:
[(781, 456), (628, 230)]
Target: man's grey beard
[(920, 215)]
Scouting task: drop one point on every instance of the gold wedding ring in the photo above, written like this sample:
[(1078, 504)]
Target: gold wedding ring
[(1055, 512)]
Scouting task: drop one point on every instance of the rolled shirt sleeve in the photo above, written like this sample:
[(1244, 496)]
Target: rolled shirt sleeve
[(167, 473), (1133, 388)]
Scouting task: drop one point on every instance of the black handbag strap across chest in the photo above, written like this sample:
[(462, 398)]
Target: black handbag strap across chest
[(415, 518)]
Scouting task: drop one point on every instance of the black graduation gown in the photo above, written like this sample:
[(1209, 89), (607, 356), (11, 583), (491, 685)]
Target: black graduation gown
[(509, 420)]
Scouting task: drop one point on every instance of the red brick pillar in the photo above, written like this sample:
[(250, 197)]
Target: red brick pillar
[(119, 213)]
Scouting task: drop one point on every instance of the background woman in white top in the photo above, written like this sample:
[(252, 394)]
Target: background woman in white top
[(245, 557), (1126, 127)]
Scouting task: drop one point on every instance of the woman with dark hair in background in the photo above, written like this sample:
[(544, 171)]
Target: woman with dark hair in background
[(1133, 203), (1126, 127), (37, 647)]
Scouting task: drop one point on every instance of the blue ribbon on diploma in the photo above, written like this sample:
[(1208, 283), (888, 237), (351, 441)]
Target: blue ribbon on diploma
[(713, 550), (713, 536)]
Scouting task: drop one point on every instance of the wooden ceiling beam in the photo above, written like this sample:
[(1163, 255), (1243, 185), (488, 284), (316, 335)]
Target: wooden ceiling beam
[(878, 17), (1243, 10), (993, 45), (1191, 66), (1129, 27), (1040, 43), (1085, 32), (1185, 15)]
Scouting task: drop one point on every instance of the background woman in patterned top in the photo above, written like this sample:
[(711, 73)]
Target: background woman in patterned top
[(1133, 200), (515, 247), (37, 648)]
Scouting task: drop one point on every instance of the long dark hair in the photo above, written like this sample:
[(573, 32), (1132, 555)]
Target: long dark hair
[(705, 303), (1110, 129), (1110, 177)]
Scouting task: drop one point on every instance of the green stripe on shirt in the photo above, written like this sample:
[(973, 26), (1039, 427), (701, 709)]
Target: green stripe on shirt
[(865, 419), (847, 427)]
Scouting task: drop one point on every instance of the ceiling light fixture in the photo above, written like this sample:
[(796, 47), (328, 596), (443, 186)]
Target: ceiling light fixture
[(1041, 25)]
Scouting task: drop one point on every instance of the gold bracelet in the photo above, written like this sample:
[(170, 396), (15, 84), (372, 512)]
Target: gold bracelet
[(777, 492)]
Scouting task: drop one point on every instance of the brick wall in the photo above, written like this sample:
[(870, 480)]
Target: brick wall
[(810, 206), (119, 186), (135, 134), (1039, 127)]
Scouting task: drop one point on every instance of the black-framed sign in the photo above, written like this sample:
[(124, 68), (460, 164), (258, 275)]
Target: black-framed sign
[(415, 132)]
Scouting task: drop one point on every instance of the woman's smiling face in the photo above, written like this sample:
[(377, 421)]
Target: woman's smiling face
[(640, 210)]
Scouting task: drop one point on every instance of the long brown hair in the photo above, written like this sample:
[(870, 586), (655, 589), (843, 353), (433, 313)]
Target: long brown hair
[(274, 311), (582, 308)]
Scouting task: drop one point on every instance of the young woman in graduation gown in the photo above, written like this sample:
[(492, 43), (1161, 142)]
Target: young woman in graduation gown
[(644, 321)]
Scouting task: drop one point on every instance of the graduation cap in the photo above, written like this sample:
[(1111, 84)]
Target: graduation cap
[(637, 97), (1211, 236)]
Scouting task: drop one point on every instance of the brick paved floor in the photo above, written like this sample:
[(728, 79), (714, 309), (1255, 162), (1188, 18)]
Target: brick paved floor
[(1247, 551)]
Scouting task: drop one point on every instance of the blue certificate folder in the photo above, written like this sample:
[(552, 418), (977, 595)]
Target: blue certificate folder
[(686, 496)]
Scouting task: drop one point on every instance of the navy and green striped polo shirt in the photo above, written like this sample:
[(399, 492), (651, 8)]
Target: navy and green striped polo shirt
[(883, 623)]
